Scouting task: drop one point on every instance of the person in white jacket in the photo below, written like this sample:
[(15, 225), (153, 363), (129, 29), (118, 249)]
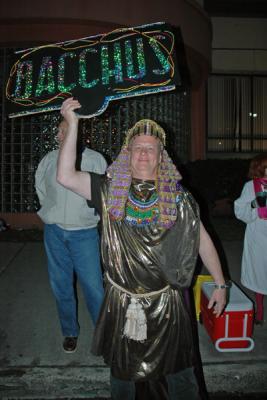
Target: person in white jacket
[(251, 208), (71, 241)]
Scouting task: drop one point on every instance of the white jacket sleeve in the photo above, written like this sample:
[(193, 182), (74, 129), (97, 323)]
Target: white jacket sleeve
[(242, 206)]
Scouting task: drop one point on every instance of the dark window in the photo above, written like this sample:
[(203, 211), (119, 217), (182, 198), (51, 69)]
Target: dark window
[(237, 114)]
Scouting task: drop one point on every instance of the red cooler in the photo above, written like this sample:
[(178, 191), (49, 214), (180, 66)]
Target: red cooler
[(232, 331)]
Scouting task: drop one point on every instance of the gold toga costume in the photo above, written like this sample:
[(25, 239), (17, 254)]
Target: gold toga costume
[(157, 264)]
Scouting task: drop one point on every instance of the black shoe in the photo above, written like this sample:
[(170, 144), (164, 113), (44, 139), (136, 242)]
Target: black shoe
[(70, 344)]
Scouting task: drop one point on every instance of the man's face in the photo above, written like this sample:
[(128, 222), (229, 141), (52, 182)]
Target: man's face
[(144, 156), (62, 128)]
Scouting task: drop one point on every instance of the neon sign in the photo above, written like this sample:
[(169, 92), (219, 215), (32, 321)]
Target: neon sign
[(96, 70)]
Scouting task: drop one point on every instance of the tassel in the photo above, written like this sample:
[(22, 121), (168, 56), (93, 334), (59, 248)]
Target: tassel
[(135, 326)]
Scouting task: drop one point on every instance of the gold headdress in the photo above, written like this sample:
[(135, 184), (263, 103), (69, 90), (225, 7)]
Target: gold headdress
[(146, 127), (167, 181)]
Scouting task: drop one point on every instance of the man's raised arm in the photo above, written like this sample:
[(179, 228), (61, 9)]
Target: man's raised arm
[(77, 181)]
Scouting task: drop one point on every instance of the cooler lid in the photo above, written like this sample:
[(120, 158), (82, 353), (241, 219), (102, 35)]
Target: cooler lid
[(237, 300)]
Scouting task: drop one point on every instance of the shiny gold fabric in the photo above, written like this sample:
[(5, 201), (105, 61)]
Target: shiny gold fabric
[(146, 259)]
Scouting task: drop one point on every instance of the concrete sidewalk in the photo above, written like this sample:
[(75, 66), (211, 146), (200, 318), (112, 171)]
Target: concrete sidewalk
[(33, 364)]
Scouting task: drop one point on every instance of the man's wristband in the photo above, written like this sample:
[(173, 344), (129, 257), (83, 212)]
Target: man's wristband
[(221, 286)]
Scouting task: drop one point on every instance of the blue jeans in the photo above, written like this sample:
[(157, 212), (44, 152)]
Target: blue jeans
[(71, 253), (181, 386)]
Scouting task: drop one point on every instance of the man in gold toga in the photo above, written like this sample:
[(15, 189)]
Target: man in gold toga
[(151, 237)]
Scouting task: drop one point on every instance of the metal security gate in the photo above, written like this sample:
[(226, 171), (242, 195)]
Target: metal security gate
[(25, 140)]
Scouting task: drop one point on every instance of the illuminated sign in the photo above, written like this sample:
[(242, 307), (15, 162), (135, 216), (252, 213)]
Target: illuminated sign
[(96, 70)]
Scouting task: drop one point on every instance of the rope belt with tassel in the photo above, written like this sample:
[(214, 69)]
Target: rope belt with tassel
[(135, 327)]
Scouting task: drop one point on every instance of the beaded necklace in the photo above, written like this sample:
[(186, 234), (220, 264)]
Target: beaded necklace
[(142, 203)]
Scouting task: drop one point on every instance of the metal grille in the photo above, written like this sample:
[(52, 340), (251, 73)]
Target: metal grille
[(25, 140)]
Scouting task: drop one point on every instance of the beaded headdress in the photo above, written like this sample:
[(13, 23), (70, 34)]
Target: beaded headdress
[(146, 127), (167, 182)]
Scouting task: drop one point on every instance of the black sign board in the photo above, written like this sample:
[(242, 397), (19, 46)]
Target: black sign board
[(96, 70)]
